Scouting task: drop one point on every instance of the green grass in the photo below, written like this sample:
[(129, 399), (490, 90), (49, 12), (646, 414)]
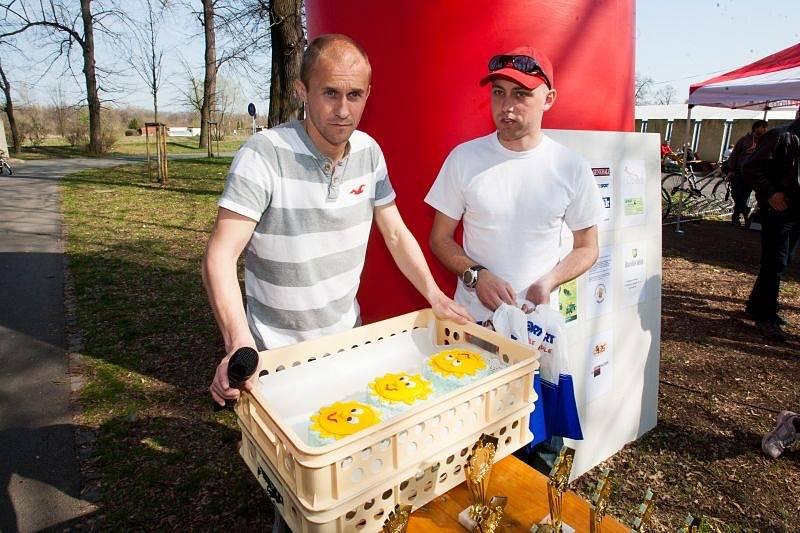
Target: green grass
[(151, 345), (57, 147)]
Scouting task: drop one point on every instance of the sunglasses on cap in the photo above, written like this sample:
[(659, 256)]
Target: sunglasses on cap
[(525, 64)]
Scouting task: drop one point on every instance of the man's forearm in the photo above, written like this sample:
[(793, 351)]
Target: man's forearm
[(451, 255), (409, 258), (578, 261), (222, 286)]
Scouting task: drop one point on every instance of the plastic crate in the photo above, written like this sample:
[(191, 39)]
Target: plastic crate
[(328, 477), (416, 487)]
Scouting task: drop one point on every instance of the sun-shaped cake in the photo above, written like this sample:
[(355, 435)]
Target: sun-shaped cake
[(457, 363), (342, 419), (402, 387)]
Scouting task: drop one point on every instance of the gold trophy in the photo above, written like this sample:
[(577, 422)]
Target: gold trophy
[(482, 516), (644, 518), (397, 522), (599, 501), (556, 485)]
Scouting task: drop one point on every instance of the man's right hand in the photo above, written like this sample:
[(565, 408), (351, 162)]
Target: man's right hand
[(778, 201), (220, 388), (492, 290)]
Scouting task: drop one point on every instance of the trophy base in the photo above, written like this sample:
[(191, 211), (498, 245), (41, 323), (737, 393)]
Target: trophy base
[(465, 520), (544, 526)]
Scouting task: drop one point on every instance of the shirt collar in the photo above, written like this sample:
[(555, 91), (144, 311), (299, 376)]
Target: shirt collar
[(303, 134)]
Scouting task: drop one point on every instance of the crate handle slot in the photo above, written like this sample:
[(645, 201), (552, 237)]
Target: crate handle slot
[(256, 417), (481, 343)]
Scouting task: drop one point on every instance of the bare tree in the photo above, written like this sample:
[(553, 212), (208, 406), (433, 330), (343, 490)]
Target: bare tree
[(8, 107), (665, 95), (67, 27), (61, 110), (288, 43), (192, 91), (146, 54), (641, 90)]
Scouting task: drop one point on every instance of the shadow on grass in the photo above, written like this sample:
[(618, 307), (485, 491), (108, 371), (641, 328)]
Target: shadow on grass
[(152, 473)]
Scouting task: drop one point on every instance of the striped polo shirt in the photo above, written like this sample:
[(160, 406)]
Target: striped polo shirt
[(304, 260)]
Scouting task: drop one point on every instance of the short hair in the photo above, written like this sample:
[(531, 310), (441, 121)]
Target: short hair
[(318, 46), (759, 124)]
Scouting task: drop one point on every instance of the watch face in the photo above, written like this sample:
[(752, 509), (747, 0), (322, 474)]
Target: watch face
[(469, 277)]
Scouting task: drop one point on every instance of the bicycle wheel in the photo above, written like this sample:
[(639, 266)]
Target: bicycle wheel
[(666, 203), (8, 169), (683, 198), (722, 192)]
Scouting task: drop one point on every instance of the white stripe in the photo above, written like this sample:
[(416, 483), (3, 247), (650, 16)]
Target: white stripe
[(360, 141), (299, 194), (250, 164), (236, 208), (315, 296), (302, 248), (276, 337), (288, 139)]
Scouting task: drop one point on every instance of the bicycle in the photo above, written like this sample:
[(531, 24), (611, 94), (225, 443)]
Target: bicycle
[(694, 193), (4, 164)]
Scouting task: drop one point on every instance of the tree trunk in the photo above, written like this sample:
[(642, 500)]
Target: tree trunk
[(210, 81), (9, 109), (288, 43), (92, 98)]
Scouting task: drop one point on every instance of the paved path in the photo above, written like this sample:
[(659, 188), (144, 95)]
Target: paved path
[(39, 474)]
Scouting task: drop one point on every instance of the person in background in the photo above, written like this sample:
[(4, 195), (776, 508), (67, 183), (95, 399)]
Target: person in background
[(772, 171), (740, 190)]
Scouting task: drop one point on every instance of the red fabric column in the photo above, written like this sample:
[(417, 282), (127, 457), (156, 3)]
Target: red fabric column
[(427, 58)]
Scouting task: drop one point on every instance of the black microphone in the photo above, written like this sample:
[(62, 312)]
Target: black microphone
[(241, 367)]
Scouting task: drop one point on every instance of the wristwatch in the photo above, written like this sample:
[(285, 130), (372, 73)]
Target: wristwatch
[(470, 275)]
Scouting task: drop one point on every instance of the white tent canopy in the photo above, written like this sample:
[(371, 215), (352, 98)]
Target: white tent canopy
[(773, 81)]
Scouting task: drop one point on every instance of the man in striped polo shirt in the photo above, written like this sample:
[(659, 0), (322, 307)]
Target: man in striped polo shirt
[(300, 199)]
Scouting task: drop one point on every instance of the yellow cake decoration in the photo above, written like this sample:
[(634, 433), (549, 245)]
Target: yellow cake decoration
[(402, 387), (342, 419), (457, 363)]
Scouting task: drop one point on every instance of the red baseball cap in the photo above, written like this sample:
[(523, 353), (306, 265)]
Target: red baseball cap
[(529, 81)]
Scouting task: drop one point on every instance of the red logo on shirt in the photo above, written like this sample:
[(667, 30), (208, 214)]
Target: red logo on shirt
[(359, 190)]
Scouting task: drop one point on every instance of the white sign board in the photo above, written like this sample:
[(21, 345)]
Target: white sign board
[(615, 333)]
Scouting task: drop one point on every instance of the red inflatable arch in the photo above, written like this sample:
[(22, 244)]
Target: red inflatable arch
[(427, 58)]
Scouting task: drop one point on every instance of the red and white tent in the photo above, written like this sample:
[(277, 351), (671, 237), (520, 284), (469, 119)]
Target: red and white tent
[(773, 81)]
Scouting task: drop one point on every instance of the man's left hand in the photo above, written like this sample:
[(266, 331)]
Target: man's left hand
[(444, 307), (539, 291)]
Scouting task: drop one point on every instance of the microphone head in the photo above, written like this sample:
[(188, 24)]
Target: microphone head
[(241, 366)]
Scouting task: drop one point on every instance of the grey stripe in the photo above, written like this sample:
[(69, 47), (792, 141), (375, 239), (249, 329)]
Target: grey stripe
[(302, 320), (246, 192), (383, 188), (301, 221), (305, 274)]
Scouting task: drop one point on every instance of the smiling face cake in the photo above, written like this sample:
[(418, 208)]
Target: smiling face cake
[(399, 390), (453, 368), (457, 363), (340, 420)]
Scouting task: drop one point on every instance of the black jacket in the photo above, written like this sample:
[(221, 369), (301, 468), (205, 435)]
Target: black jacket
[(774, 164)]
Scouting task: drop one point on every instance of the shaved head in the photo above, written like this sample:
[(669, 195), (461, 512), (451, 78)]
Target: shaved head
[(334, 47)]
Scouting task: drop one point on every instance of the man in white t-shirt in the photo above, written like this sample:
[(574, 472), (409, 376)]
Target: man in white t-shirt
[(513, 189)]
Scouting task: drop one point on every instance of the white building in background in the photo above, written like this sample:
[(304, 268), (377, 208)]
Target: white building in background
[(712, 128), (180, 131)]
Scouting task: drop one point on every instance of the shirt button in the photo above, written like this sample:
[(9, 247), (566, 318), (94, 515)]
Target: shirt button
[(327, 167)]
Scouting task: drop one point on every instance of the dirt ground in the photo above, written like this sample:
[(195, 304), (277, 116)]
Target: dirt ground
[(721, 386)]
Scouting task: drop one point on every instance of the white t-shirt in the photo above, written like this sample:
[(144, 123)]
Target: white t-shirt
[(513, 206)]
